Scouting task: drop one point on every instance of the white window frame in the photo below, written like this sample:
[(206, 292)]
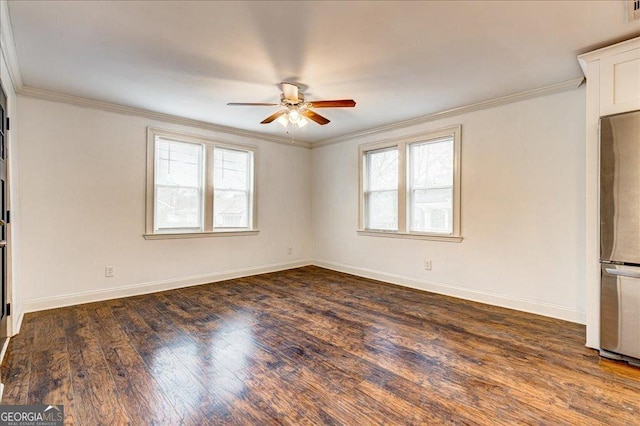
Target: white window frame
[(208, 163), (403, 145)]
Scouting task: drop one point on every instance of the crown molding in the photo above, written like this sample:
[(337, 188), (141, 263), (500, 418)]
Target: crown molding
[(140, 112), (546, 90), (123, 109), (8, 46)]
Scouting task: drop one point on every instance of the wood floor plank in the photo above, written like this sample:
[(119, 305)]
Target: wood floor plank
[(386, 335), (16, 366), (313, 346), (361, 369), (339, 379), (488, 384), (211, 367), (155, 341), (50, 379), (140, 395), (279, 326), (93, 384), (556, 362)]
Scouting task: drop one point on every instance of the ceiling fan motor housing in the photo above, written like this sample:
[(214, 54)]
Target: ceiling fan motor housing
[(285, 102)]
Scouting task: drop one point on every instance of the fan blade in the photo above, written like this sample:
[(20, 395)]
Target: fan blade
[(341, 103), (250, 104), (272, 117), (290, 92), (315, 117)]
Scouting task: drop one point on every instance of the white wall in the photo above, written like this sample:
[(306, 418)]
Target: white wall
[(82, 197), (523, 218), (82, 177)]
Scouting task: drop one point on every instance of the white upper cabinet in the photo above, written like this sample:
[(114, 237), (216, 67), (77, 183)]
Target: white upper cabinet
[(614, 72), (620, 82)]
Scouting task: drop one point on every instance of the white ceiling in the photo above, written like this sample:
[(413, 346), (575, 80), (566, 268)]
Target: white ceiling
[(398, 60)]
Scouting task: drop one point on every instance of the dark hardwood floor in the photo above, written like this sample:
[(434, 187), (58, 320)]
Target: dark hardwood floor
[(312, 346)]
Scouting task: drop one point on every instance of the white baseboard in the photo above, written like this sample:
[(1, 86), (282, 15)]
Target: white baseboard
[(44, 303), (3, 351), (18, 324), (531, 306)]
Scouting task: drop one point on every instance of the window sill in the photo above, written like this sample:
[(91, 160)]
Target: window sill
[(178, 235), (431, 237)]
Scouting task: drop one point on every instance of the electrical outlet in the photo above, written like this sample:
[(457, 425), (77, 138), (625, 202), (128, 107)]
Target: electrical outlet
[(427, 264), (289, 250), (109, 271)]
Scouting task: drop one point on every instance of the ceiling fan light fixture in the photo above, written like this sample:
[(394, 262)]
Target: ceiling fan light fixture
[(302, 122), (283, 120), (294, 115)]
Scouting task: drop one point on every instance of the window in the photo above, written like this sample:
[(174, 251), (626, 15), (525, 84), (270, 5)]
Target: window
[(381, 193), (178, 186), (411, 187), (198, 187), (231, 193), (430, 192)]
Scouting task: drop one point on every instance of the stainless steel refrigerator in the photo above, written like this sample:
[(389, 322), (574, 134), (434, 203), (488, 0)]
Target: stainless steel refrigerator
[(620, 237)]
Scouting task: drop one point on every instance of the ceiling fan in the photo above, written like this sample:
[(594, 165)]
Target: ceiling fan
[(295, 110)]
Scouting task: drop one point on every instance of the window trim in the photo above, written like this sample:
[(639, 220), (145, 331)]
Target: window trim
[(209, 144), (403, 145)]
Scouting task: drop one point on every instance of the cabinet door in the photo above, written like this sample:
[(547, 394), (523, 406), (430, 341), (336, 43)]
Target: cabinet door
[(620, 83)]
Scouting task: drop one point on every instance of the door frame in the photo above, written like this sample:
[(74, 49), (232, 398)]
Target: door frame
[(9, 331)]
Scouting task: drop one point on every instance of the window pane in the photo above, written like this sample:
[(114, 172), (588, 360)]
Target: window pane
[(178, 207), (432, 210), (382, 210), (431, 187), (178, 182), (230, 209), (381, 192), (432, 164), (382, 168), (178, 163), (231, 169), (232, 194)]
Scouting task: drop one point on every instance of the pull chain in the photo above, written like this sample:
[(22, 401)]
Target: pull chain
[(291, 134)]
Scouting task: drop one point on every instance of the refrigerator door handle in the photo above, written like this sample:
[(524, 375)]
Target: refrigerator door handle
[(619, 272)]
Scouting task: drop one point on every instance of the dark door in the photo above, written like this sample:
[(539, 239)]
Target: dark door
[(4, 189)]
